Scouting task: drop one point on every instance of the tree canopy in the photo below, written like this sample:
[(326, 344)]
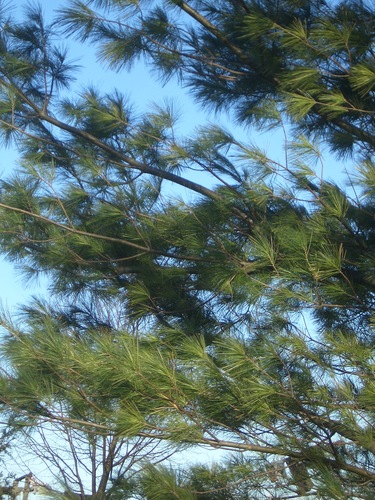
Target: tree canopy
[(240, 319)]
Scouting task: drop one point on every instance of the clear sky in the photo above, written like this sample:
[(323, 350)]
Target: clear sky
[(142, 89)]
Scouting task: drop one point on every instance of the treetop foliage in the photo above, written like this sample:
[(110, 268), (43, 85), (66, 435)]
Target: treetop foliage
[(314, 58), (241, 317)]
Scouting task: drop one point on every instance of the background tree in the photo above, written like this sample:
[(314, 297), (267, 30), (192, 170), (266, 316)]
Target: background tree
[(253, 303), (66, 430)]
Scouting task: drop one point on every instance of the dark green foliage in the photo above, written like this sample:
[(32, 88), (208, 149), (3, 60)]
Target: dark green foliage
[(241, 318), (314, 58)]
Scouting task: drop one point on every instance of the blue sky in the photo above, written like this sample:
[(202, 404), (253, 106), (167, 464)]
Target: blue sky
[(142, 89)]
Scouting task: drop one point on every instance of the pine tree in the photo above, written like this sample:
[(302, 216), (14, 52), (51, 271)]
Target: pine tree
[(245, 315), (311, 59)]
